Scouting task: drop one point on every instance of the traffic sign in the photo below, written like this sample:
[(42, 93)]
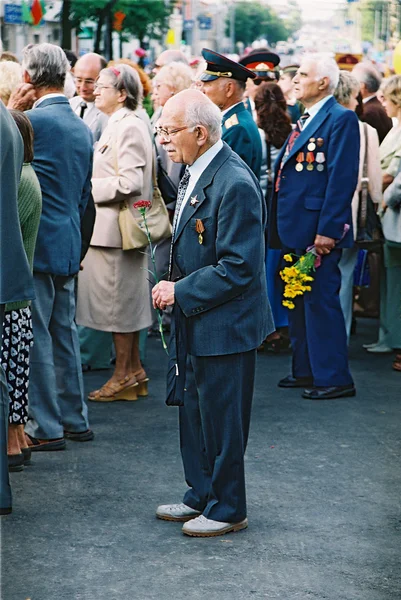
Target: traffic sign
[(13, 14)]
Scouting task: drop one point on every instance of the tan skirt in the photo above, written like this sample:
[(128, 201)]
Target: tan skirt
[(113, 291)]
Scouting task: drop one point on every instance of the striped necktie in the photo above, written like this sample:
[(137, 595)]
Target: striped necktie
[(182, 188)]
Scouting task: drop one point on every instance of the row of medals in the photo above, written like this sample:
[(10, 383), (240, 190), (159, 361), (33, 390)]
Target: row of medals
[(310, 157)]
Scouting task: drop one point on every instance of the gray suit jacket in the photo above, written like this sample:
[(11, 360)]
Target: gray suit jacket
[(15, 275), (222, 293), (93, 117), (391, 218)]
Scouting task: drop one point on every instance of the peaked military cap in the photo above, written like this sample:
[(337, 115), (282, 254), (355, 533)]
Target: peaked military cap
[(262, 63), (221, 66)]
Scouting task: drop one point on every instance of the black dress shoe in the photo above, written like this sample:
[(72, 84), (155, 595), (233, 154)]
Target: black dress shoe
[(82, 436), (15, 462), (6, 511), (329, 393), (293, 382)]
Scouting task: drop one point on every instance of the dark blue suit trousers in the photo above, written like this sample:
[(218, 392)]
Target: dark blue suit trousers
[(317, 328), (214, 428)]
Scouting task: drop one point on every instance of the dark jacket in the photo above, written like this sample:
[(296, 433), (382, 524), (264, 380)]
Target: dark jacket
[(376, 116), (241, 134), (317, 201), (63, 163)]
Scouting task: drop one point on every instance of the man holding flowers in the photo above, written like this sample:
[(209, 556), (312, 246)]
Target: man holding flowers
[(310, 216)]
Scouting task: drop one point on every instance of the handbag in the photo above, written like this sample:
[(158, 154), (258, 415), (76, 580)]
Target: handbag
[(369, 231), (132, 226)]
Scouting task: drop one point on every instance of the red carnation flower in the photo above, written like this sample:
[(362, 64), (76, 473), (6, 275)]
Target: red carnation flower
[(142, 204)]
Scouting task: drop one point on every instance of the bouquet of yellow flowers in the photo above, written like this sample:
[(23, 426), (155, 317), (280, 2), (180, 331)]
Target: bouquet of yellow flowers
[(297, 278)]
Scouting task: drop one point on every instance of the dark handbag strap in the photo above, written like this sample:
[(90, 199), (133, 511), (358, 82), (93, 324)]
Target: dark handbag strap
[(363, 206)]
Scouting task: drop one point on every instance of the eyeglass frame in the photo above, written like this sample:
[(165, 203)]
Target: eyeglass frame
[(100, 86), (166, 135)]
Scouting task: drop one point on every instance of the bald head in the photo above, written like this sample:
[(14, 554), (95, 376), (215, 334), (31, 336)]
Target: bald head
[(86, 71), (167, 57)]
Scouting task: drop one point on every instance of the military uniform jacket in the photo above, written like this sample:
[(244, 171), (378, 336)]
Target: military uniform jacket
[(241, 134)]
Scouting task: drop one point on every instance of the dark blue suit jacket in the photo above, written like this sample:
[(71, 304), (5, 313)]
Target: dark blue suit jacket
[(223, 293), (318, 202), (241, 134), (63, 163)]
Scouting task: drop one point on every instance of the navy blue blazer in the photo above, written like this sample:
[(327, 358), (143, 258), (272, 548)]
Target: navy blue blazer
[(317, 201), (63, 151), (241, 134), (15, 274), (223, 293)]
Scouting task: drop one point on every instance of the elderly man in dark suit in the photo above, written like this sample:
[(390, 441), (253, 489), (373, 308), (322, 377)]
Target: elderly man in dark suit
[(221, 312), (15, 276), (315, 179), (373, 112), (63, 164)]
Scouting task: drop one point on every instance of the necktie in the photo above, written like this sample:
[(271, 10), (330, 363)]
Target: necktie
[(83, 106), (182, 188), (291, 140)]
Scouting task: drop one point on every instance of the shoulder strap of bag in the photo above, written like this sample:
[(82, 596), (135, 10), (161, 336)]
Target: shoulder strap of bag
[(363, 207)]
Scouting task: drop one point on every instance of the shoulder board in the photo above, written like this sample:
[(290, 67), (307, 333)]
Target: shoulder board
[(233, 120)]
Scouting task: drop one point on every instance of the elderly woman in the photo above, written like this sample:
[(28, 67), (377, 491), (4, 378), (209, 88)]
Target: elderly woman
[(113, 291), (390, 148), (390, 289), (346, 94), (10, 78)]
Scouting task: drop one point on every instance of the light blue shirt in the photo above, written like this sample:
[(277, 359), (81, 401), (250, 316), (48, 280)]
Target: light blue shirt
[(313, 110)]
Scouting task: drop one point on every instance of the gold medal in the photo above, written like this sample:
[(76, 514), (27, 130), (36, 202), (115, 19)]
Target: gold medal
[(310, 167), (320, 167), (311, 146), (299, 167), (320, 142), (200, 238)]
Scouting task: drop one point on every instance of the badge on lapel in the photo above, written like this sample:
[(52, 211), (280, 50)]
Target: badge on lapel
[(200, 228), (194, 200)]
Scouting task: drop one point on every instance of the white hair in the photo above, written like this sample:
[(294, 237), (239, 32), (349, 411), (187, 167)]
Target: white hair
[(325, 67), (206, 114), (46, 65)]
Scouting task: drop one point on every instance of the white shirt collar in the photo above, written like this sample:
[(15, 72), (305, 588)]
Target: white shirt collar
[(313, 110), (225, 111), (197, 168), (364, 100), (46, 97)]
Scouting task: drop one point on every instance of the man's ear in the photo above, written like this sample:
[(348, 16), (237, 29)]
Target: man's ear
[(201, 135), (324, 83), (26, 77)]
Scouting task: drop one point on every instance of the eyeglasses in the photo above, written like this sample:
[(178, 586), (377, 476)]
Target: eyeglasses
[(164, 133), (99, 86)]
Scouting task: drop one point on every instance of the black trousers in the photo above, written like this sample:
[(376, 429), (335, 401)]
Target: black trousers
[(214, 428)]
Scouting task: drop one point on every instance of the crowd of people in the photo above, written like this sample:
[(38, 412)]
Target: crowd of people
[(299, 145)]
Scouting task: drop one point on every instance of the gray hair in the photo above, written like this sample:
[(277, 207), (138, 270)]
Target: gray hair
[(369, 75), (347, 85), (126, 78), (326, 67), (46, 64), (206, 114)]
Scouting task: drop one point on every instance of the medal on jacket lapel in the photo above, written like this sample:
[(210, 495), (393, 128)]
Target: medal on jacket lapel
[(300, 159), (320, 159)]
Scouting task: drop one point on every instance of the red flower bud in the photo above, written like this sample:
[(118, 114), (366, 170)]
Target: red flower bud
[(142, 204)]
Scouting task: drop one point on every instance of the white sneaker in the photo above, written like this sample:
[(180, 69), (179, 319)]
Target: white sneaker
[(366, 346), (203, 527), (380, 349), (176, 512)]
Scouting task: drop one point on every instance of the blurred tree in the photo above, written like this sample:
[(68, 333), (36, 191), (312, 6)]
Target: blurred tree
[(143, 18), (255, 20)]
